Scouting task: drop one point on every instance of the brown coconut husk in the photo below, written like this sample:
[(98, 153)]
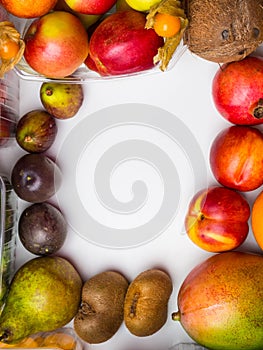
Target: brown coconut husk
[(224, 30)]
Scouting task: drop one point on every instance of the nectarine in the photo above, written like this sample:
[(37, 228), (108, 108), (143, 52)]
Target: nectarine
[(217, 219), (236, 158)]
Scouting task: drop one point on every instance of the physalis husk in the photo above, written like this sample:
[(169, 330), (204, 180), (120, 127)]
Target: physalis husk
[(8, 33), (174, 8)]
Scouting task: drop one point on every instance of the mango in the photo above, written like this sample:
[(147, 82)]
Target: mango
[(220, 302)]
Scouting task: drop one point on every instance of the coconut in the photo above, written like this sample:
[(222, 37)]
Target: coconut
[(224, 30)]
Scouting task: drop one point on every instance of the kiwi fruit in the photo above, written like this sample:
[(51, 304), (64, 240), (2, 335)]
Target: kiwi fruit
[(146, 302), (224, 31), (101, 311)]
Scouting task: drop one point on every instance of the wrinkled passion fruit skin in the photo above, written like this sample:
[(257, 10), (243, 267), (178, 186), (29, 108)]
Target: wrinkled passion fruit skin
[(35, 177), (36, 131), (42, 229), (220, 302)]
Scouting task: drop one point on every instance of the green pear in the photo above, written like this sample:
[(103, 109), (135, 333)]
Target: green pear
[(62, 100), (44, 295)]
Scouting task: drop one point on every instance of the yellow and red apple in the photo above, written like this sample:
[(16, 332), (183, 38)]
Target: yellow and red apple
[(56, 44), (236, 157), (217, 219), (91, 7)]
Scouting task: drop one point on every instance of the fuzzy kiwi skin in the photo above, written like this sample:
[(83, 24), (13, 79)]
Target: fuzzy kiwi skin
[(146, 302), (101, 311)]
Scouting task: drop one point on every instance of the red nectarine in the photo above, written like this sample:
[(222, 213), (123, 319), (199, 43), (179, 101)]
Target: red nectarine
[(121, 44), (236, 158), (217, 219)]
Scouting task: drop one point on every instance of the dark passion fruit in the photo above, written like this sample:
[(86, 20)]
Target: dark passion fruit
[(42, 229), (36, 131), (35, 177)]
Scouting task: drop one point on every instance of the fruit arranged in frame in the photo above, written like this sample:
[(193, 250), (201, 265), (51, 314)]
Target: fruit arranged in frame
[(42, 229), (237, 91), (36, 131), (256, 219), (236, 157), (35, 177), (220, 302), (56, 44), (28, 8), (146, 302), (47, 291), (217, 219), (91, 7), (101, 312), (121, 44), (63, 101)]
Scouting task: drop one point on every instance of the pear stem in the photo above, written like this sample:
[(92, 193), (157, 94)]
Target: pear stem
[(4, 336)]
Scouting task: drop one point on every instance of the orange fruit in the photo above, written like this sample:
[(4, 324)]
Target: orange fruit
[(166, 25), (28, 8), (257, 219), (9, 49)]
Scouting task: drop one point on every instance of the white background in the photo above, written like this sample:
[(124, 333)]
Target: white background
[(185, 91)]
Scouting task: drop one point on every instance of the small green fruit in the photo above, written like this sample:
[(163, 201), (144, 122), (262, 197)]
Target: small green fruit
[(61, 100)]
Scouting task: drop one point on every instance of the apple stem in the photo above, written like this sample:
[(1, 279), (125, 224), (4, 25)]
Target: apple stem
[(258, 111)]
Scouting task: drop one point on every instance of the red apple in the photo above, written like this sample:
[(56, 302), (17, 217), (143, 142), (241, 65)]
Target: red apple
[(237, 91), (236, 158), (56, 44), (120, 44), (217, 219), (91, 7)]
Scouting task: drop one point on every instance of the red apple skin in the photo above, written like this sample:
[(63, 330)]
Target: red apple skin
[(237, 91), (91, 7), (217, 219), (236, 157), (56, 44), (120, 44)]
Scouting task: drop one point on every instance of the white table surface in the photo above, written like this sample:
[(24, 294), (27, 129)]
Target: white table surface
[(185, 92)]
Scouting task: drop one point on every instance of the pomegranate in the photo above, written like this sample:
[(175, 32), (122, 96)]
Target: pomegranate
[(237, 91)]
